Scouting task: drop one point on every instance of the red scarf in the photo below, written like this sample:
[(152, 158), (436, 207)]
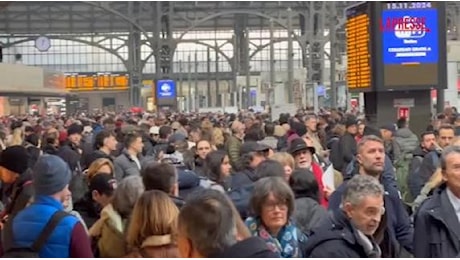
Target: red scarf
[(318, 173)]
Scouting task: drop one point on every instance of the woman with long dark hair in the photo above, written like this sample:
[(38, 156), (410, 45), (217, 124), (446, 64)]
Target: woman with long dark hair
[(217, 169)]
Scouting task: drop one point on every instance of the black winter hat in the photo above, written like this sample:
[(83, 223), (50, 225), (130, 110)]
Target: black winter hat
[(13, 158), (74, 129), (299, 128)]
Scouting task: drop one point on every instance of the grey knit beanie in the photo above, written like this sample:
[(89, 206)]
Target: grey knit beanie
[(51, 175)]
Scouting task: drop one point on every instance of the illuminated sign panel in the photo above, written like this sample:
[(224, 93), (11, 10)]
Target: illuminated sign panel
[(410, 44), (359, 76), (75, 82), (166, 89)]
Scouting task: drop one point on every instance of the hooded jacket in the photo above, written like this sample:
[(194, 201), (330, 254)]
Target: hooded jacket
[(406, 140), (308, 213), (243, 178), (253, 247), (337, 238)]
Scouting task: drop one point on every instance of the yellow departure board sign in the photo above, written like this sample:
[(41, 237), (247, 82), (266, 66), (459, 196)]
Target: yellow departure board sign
[(358, 47), (75, 82)]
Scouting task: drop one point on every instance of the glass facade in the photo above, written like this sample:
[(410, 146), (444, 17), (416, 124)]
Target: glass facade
[(105, 53)]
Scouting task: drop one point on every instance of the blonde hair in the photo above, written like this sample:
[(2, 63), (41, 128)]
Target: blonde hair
[(217, 136), (95, 166), (279, 131), (435, 180), (284, 158), (17, 137), (154, 224)]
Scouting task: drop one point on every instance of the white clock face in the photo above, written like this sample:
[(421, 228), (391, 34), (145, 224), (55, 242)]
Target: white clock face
[(42, 43)]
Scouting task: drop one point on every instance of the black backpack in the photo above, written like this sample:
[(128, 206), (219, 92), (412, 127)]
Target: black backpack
[(13, 251)]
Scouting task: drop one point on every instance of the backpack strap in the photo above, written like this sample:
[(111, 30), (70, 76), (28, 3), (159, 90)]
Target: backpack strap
[(48, 230)]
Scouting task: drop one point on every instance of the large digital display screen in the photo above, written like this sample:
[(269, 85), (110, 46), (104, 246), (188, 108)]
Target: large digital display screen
[(410, 44), (359, 76), (76, 82)]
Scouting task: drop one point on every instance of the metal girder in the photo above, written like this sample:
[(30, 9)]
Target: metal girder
[(233, 12), (213, 47), (263, 46), (129, 20)]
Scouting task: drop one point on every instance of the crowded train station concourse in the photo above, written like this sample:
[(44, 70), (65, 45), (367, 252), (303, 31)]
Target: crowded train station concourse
[(250, 129)]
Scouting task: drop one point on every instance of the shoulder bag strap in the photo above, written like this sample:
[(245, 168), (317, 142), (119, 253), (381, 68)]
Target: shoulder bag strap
[(7, 235), (48, 230)]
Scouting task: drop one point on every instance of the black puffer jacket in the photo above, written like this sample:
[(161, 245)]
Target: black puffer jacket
[(253, 247), (337, 238)]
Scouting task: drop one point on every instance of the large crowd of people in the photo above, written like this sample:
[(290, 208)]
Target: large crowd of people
[(229, 185)]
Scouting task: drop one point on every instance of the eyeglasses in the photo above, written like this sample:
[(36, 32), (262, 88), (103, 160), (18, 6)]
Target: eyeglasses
[(372, 212), (271, 206)]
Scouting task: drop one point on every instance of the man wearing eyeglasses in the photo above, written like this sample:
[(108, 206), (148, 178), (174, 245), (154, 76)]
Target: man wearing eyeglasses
[(398, 233)]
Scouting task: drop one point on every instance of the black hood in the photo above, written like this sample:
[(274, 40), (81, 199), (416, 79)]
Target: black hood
[(253, 247), (419, 152), (335, 227)]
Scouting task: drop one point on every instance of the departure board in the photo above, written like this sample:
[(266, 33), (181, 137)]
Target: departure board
[(358, 40), (75, 82)]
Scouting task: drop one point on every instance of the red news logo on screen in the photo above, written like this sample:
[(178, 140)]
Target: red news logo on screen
[(406, 24)]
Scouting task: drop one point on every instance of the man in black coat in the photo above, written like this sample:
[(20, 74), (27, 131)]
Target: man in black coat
[(437, 222), (70, 152), (347, 144), (350, 232)]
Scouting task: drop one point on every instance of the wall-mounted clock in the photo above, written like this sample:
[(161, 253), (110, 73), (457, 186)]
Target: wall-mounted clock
[(42, 43)]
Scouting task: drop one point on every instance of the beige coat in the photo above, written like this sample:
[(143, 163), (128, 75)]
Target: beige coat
[(109, 230)]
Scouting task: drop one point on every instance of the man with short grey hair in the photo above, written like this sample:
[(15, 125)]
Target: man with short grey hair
[(352, 230), (437, 222), (208, 228)]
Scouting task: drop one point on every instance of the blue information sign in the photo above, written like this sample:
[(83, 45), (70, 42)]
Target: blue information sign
[(405, 45), (166, 88)]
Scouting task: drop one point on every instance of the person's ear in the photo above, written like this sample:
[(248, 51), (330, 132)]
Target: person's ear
[(348, 209), (359, 159), (186, 249), (175, 190), (95, 195)]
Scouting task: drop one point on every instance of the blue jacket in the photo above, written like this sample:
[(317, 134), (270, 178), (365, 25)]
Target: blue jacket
[(189, 183), (243, 178), (29, 223), (399, 228)]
